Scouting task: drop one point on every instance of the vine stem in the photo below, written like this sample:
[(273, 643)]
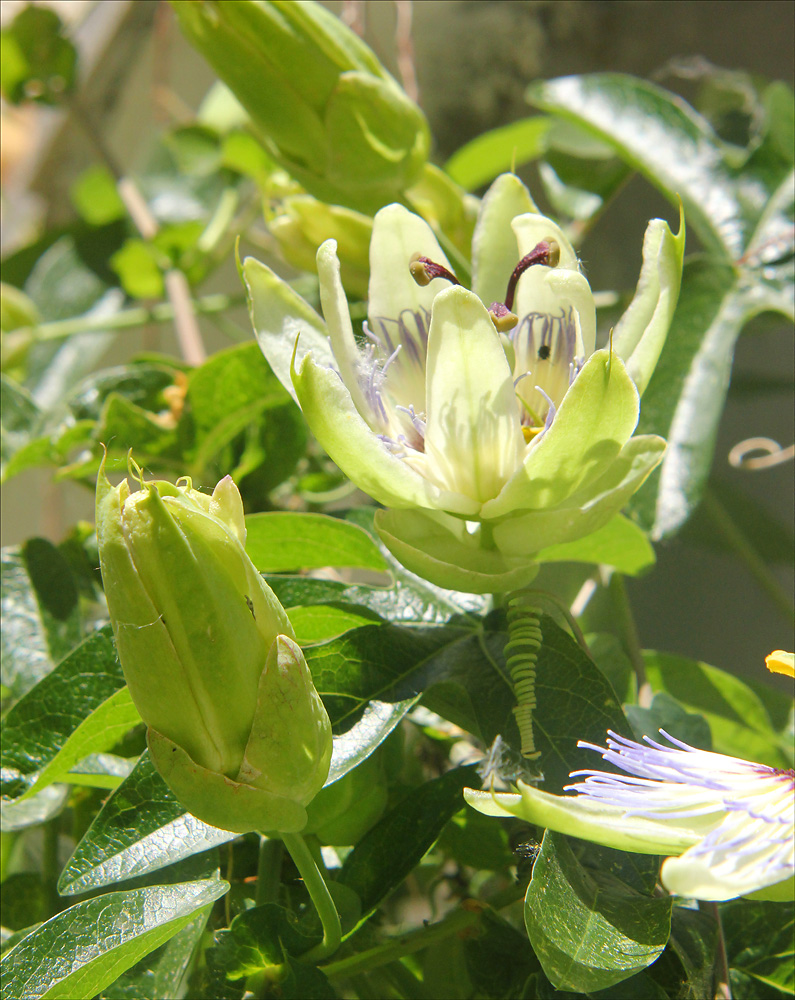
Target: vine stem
[(755, 564), (127, 319), (269, 869), (629, 636), (723, 990), (321, 897), (406, 944)]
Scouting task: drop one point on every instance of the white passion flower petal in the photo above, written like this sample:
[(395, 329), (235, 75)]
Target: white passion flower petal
[(338, 321), (473, 437)]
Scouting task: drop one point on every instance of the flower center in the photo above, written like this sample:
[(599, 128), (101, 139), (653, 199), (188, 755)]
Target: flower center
[(547, 253)]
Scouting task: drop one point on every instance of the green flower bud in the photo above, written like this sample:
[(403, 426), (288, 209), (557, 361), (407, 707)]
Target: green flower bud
[(303, 223), (236, 726), (323, 104)]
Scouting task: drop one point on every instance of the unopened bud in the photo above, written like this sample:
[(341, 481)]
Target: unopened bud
[(235, 725)]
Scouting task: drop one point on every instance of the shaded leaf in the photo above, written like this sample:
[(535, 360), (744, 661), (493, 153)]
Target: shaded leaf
[(737, 716), (394, 846), (39, 62), (759, 943)]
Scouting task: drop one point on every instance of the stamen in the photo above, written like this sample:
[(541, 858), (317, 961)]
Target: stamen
[(424, 270), (502, 317), (547, 252)]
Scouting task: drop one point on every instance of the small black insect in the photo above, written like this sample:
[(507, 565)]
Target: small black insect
[(544, 352), (250, 604), (526, 854)]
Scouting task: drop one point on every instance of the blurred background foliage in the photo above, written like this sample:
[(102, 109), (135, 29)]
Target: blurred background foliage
[(133, 92)]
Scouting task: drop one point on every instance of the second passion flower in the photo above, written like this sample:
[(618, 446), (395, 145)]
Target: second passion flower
[(484, 420)]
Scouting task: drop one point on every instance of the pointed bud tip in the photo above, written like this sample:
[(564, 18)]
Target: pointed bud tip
[(227, 505)]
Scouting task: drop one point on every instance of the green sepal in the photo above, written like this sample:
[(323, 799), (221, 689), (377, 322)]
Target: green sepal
[(378, 139), (591, 820), (587, 510), (289, 748), (218, 800), (641, 332), (283, 322), (304, 223), (440, 549), (595, 420)]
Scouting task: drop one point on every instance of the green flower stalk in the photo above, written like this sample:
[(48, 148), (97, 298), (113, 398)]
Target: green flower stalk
[(484, 420), (727, 825), (322, 103), (235, 725)]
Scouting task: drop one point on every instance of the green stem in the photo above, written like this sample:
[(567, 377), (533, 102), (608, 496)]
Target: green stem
[(406, 944), (269, 869), (128, 319), (722, 986), (629, 636), (755, 564), (321, 897)]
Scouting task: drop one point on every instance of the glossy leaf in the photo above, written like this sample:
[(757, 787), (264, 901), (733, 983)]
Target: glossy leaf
[(140, 829), (80, 951), (82, 707), (160, 974), (674, 147), (588, 929), (41, 620), (686, 395), (280, 542)]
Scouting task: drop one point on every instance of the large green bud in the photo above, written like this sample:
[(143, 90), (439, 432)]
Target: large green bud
[(319, 99), (236, 727)]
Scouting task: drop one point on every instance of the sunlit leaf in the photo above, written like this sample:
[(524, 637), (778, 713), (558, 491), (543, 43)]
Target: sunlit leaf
[(79, 952)]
